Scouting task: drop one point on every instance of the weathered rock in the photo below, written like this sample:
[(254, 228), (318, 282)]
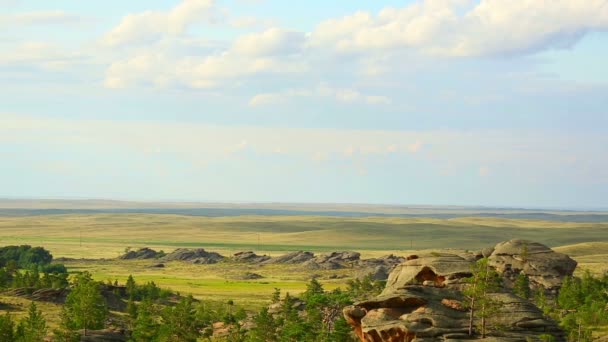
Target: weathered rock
[(419, 313), (339, 257), (250, 257), (140, 254), (442, 269), (292, 258), (313, 264), (388, 261), (422, 300), (543, 266), (196, 256)]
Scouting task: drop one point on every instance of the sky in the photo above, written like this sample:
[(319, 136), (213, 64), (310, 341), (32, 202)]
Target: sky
[(487, 102)]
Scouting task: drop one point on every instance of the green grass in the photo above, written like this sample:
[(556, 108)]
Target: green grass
[(106, 235), (95, 236)]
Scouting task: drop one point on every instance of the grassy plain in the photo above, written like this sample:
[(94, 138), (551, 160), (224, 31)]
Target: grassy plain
[(91, 237)]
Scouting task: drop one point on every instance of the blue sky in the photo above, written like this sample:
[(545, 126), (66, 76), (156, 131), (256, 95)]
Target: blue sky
[(498, 103)]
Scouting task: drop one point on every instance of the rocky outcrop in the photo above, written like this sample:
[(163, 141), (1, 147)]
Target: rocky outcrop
[(140, 254), (334, 260), (196, 256), (387, 261), (436, 269), (298, 257), (543, 266), (422, 300), (422, 313), (250, 257), (56, 296)]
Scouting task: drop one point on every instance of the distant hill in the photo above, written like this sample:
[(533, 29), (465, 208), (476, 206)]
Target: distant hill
[(23, 207)]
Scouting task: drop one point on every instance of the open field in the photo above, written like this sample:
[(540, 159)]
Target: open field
[(96, 236), (107, 235)]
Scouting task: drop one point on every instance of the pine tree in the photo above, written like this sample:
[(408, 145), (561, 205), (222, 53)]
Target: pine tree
[(7, 328), (484, 281), (85, 307), (145, 327), (180, 322), (33, 327), (521, 287)]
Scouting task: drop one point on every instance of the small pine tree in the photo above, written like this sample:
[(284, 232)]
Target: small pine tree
[(7, 328), (145, 327), (85, 307), (521, 287), (33, 327)]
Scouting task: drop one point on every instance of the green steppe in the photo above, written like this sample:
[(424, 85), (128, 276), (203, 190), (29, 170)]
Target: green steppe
[(94, 241)]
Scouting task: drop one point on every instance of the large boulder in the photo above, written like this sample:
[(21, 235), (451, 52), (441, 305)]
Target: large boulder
[(423, 313), (334, 260), (438, 269), (196, 256), (423, 299), (140, 254), (544, 267), (298, 257), (250, 257)]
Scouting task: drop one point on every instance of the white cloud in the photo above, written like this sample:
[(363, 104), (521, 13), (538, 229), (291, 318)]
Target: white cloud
[(273, 41), (343, 95), (467, 28), (151, 25)]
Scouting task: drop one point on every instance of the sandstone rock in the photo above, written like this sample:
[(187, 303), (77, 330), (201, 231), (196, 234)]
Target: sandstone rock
[(419, 313), (292, 258), (545, 267), (140, 254), (339, 257), (197, 256), (422, 300), (250, 257), (441, 268)]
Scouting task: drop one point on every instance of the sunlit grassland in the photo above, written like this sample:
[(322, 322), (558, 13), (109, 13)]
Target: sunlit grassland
[(107, 235), (218, 282), (95, 236)]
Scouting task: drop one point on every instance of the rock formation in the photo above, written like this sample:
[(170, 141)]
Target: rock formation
[(544, 267), (423, 301), (140, 254), (196, 256), (298, 257), (249, 257)]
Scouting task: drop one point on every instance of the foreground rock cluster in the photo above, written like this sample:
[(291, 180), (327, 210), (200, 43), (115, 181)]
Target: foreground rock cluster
[(423, 301)]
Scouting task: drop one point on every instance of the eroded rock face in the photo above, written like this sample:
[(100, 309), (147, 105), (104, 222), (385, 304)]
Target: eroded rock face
[(140, 254), (249, 257), (441, 269), (540, 263), (197, 256), (422, 313), (292, 258), (423, 301)]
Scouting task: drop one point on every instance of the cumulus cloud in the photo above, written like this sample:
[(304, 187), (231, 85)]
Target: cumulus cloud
[(151, 25), (467, 28), (274, 41)]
